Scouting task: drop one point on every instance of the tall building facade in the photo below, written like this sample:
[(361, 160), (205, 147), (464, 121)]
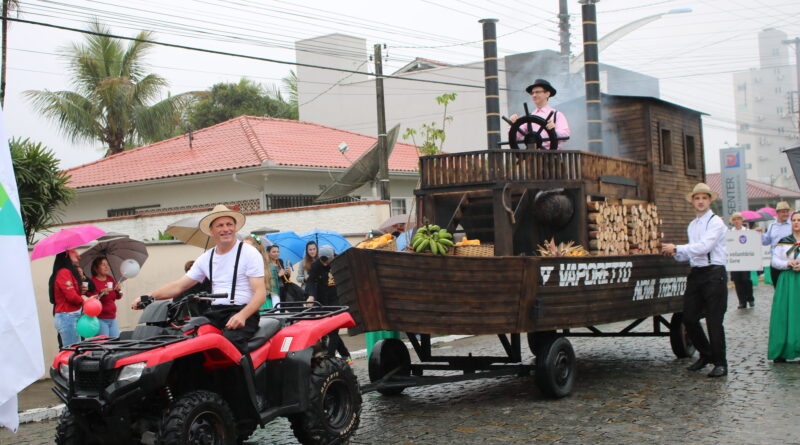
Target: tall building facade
[(766, 119)]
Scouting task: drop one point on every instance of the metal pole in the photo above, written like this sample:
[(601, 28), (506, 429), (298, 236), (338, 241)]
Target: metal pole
[(563, 25), (491, 81), (383, 159), (594, 118)]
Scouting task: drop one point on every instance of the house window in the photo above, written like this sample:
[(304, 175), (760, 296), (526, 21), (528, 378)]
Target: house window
[(749, 166), (691, 155), (665, 146), (746, 146), (744, 127), (292, 201), (778, 89), (742, 87), (130, 211), (784, 170), (398, 206)]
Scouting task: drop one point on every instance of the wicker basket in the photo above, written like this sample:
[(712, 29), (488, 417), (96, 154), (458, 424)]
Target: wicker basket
[(479, 250)]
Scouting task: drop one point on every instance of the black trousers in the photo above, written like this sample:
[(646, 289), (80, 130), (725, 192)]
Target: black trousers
[(744, 287), (706, 297), (219, 316), (774, 274)]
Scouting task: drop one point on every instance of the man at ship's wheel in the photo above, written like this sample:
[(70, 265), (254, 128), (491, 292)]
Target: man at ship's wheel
[(541, 91)]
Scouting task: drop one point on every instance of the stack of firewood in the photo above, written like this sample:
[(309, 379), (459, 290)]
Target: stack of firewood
[(644, 236), (608, 228)]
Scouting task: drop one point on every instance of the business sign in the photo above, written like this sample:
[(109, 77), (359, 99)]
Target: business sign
[(733, 173), (745, 251)]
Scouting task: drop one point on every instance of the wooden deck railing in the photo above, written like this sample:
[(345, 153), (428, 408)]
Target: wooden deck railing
[(524, 165)]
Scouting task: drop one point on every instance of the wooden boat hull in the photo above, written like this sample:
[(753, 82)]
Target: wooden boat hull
[(492, 295)]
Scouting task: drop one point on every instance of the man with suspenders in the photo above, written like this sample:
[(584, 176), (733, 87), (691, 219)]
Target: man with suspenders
[(776, 231), (707, 286), (541, 91), (235, 268)]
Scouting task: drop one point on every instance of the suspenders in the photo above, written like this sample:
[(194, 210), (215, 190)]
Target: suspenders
[(235, 269)]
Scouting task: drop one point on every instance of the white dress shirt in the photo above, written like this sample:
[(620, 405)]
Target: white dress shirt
[(706, 240), (776, 232)]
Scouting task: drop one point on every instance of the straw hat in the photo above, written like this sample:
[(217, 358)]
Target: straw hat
[(702, 188), (783, 205), (736, 215), (217, 212)]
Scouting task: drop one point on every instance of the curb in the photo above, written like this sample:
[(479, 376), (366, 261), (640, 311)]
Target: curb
[(41, 414)]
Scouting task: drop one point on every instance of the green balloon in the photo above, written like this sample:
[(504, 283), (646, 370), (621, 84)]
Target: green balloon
[(88, 326)]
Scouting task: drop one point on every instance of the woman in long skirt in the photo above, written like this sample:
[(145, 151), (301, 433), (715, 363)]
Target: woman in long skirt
[(784, 323)]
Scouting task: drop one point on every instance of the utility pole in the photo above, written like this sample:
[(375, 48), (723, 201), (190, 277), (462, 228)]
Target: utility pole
[(383, 159), (796, 42), (563, 25)]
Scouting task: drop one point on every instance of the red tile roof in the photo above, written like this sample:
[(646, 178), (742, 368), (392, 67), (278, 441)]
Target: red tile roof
[(242, 142), (755, 189)]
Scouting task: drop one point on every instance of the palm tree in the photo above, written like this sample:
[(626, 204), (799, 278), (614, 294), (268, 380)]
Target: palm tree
[(113, 94), (8, 6)]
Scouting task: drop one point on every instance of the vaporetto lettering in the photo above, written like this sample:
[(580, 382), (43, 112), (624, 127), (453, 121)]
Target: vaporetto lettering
[(589, 274)]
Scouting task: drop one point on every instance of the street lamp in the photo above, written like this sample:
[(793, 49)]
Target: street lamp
[(576, 63)]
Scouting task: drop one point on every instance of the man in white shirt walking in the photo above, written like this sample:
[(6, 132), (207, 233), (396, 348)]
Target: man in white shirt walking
[(776, 231), (706, 288)]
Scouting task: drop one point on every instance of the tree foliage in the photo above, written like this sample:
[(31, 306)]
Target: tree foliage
[(115, 100), (226, 101), (432, 136), (42, 186)]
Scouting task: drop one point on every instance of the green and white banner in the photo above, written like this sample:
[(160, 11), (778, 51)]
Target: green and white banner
[(21, 356)]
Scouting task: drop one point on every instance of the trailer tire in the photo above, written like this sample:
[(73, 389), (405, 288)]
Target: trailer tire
[(198, 417), (678, 337), (387, 355), (334, 405), (556, 368)]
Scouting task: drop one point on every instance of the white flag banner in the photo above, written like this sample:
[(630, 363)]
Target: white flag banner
[(21, 356)]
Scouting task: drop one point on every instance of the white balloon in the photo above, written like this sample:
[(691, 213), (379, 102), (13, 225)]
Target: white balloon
[(129, 268)]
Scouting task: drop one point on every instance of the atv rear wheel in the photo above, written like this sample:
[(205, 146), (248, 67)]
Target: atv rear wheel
[(198, 417), (334, 405)]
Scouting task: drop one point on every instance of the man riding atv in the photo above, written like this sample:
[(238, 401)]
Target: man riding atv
[(179, 378), (233, 267)]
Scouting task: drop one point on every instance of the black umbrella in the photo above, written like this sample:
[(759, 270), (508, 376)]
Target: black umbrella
[(116, 250)]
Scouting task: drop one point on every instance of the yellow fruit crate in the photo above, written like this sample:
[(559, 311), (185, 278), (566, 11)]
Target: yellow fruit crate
[(479, 250)]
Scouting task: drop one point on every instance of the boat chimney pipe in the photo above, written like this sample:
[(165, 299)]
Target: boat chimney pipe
[(491, 82), (591, 71)]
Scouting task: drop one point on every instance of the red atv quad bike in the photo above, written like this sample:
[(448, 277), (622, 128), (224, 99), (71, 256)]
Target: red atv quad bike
[(176, 380)]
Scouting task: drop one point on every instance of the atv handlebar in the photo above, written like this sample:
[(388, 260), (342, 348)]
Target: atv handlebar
[(147, 300)]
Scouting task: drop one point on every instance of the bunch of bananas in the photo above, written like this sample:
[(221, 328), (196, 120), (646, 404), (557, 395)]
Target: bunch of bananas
[(433, 238)]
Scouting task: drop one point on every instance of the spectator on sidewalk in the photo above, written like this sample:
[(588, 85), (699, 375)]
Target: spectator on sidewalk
[(304, 266), (67, 295), (741, 279), (108, 292), (321, 287)]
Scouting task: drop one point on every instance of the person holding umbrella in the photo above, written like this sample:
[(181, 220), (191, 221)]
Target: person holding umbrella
[(108, 292), (67, 293)]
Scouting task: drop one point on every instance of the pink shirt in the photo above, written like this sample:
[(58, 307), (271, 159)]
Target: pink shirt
[(561, 125)]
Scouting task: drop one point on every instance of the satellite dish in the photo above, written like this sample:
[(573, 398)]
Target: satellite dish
[(363, 170)]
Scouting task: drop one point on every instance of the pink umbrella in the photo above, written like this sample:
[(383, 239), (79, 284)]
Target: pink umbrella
[(749, 214), (769, 210), (66, 239)]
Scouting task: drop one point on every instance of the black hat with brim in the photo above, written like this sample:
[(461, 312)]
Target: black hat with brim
[(541, 83)]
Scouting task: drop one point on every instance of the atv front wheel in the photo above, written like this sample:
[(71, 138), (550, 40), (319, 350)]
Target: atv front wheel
[(68, 432), (198, 417), (334, 406)]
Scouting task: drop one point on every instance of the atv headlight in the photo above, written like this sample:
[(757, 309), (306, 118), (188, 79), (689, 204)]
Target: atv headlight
[(63, 369), (132, 372)]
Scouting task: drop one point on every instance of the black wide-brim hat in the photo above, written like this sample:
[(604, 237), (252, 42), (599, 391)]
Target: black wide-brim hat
[(541, 83)]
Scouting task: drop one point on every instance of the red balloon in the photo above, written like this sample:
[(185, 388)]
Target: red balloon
[(92, 307)]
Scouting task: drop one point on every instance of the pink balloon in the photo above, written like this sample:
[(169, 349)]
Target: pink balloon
[(92, 307)]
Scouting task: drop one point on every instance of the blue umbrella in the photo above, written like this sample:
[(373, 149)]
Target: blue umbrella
[(292, 246), (329, 237)]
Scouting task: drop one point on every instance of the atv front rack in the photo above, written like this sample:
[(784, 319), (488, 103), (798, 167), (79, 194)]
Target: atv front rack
[(292, 312)]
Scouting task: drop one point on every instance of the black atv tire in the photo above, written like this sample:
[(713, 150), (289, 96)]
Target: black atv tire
[(201, 417), (334, 405), (68, 432)]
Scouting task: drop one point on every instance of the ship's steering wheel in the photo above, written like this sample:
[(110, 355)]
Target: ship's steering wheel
[(534, 138)]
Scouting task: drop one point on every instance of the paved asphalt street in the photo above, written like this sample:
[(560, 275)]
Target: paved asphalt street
[(629, 390)]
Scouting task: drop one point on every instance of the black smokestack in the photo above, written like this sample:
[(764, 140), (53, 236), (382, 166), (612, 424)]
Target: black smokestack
[(591, 70), (492, 84)]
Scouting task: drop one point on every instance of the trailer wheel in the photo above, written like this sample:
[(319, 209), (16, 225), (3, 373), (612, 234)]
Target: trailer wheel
[(200, 417), (537, 339), (388, 355), (334, 405), (556, 368), (678, 337)]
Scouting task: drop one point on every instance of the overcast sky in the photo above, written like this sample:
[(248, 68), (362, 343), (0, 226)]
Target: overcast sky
[(693, 54)]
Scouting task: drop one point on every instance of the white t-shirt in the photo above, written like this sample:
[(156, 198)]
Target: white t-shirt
[(251, 265)]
